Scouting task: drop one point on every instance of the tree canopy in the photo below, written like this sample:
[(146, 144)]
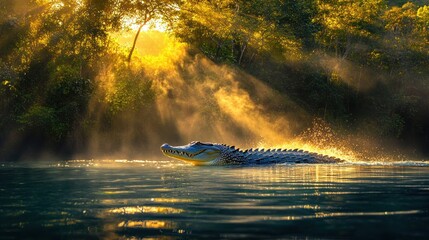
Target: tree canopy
[(65, 72)]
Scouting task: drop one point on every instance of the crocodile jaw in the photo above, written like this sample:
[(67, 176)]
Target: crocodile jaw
[(196, 153)]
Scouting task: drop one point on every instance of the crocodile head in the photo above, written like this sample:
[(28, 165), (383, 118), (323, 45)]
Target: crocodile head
[(197, 153)]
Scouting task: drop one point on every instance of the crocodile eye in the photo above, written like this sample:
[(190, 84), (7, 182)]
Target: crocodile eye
[(207, 144), (201, 143)]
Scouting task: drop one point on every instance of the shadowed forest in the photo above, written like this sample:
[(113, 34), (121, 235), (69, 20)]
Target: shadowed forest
[(116, 79)]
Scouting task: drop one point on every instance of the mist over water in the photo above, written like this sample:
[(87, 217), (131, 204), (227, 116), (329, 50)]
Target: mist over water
[(197, 99), (169, 93)]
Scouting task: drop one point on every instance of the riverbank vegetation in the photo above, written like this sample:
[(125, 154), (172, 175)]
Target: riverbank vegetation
[(97, 78)]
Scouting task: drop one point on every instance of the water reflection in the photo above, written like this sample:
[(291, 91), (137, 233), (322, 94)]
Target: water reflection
[(118, 200), (302, 173), (252, 219), (158, 224), (119, 163), (145, 209), (135, 201)]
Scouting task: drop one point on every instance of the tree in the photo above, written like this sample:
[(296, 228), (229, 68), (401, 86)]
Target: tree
[(346, 21), (140, 13), (237, 31)]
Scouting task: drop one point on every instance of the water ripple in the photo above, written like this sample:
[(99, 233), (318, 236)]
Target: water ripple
[(164, 199)]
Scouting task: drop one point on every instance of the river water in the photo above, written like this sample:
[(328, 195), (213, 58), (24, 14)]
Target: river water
[(169, 200)]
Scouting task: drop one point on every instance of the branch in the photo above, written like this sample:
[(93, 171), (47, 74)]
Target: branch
[(147, 19)]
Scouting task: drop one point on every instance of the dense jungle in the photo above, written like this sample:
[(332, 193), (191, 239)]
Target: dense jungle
[(91, 79)]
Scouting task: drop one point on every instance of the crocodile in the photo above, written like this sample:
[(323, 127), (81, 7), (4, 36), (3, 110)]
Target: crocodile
[(204, 153)]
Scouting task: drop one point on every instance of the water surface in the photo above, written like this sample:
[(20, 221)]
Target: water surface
[(168, 200)]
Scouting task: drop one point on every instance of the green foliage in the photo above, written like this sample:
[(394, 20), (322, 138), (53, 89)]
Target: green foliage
[(237, 31), (64, 101), (352, 62), (133, 91), (423, 17), (346, 22), (42, 119), (8, 92)]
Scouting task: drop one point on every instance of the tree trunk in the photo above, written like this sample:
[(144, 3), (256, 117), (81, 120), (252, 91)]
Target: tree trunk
[(243, 48), (134, 43)]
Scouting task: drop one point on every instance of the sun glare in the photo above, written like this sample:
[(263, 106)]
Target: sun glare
[(152, 41), (133, 24)]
